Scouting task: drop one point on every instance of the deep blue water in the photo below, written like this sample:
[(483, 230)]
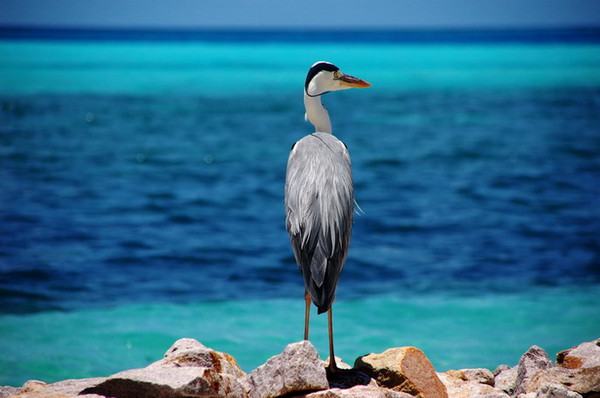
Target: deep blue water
[(142, 199), (411, 36)]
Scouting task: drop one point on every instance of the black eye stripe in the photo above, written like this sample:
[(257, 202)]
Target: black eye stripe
[(321, 66)]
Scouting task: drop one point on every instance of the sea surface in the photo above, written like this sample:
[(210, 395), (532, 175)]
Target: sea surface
[(141, 195)]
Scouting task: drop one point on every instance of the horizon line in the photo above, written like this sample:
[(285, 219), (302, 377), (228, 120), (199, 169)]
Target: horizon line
[(536, 34)]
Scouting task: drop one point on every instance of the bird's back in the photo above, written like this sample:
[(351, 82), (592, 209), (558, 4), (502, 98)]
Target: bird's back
[(319, 200)]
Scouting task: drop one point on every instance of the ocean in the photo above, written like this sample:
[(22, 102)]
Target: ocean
[(142, 178)]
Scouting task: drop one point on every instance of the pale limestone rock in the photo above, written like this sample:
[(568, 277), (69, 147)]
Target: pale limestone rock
[(479, 375), (297, 369), (62, 389), (506, 380), (185, 345), (404, 369), (73, 386), (585, 355), (359, 392), (499, 369), (45, 394), (168, 383), (534, 360), (188, 369), (33, 386), (528, 395), (5, 391), (583, 381), (555, 391), (192, 353), (458, 387)]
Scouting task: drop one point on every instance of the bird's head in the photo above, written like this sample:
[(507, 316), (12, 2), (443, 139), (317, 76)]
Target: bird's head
[(324, 77)]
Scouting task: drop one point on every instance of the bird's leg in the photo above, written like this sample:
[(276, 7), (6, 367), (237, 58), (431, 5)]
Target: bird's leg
[(332, 365), (306, 314)]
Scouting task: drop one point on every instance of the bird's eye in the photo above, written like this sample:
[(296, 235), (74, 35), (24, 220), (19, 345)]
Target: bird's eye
[(337, 74)]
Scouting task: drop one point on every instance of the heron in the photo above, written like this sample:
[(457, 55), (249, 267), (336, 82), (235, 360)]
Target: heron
[(319, 197)]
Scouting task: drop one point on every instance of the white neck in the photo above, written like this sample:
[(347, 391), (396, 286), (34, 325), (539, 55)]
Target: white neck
[(317, 114)]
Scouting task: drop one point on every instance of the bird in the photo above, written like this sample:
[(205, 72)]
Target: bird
[(319, 197)]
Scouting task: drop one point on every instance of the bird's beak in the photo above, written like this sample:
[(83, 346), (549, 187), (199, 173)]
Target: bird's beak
[(351, 81)]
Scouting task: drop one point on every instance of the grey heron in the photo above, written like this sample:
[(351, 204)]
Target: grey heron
[(319, 197)]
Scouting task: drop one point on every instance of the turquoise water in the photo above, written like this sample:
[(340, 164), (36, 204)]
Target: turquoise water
[(142, 191), (218, 69), (454, 332)]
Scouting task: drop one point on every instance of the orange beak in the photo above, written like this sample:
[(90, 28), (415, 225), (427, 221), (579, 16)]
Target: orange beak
[(351, 81)]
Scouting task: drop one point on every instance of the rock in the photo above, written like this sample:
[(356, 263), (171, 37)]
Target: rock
[(163, 382), (184, 345), (73, 386), (459, 387), (404, 369), (188, 369), (5, 391), (35, 389), (192, 353), (506, 380), (191, 369), (534, 360), (33, 386), (528, 395), (63, 389), (556, 391), (480, 375), (359, 392), (297, 369), (499, 369), (585, 355), (585, 381)]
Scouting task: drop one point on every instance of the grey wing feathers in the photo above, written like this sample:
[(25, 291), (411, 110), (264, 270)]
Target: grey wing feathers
[(319, 200)]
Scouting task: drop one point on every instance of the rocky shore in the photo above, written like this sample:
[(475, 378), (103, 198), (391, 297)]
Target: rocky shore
[(189, 369)]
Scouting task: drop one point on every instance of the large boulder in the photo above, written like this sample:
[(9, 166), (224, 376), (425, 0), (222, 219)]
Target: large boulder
[(403, 369), (297, 369), (188, 369), (533, 361), (585, 355)]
